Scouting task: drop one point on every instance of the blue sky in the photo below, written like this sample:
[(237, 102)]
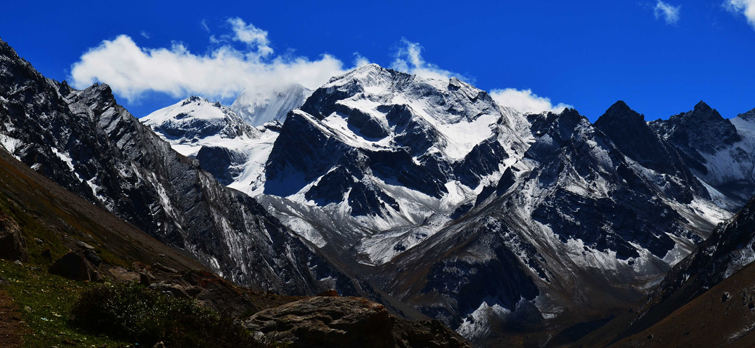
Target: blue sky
[(660, 57)]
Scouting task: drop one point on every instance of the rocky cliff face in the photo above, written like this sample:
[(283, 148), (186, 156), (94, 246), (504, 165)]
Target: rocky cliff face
[(436, 197), (427, 193), (717, 150), (87, 143)]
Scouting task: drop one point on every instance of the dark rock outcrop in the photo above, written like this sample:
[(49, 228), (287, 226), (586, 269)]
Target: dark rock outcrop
[(12, 243), (75, 266), (346, 322), (635, 139), (702, 130)]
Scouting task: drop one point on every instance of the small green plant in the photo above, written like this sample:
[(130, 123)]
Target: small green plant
[(45, 301), (137, 314)]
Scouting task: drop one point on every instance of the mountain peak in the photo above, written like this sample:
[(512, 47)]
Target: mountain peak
[(619, 105), (259, 107), (621, 114), (747, 116), (702, 106)]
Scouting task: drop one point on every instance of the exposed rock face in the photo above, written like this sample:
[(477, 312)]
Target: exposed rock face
[(75, 266), (720, 152), (700, 131), (632, 135), (90, 145), (347, 322), (711, 285), (12, 243)]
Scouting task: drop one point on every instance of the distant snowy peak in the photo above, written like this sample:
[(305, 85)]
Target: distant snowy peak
[(702, 130), (258, 108), (632, 135), (195, 121)]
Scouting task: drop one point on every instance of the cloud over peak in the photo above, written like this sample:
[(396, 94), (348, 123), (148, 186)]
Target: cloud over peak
[(131, 71), (525, 101), (745, 7), (225, 71), (668, 12), (409, 59)]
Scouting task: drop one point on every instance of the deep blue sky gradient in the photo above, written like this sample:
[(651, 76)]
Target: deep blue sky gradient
[(584, 53)]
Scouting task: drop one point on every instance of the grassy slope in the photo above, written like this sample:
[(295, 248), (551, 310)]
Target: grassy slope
[(46, 301), (57, 217)]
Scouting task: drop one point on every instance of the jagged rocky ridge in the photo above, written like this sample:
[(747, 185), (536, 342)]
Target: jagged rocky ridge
[(717, 150), (87, 143), (428, 191), (425, 191), (673, 307)]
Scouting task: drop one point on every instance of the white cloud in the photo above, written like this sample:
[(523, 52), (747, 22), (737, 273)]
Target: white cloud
[(359, 60), (204, 25), (131, 70), (252, 36), (525, 101), (145, 34), (745, 7), (409, 60), (668, 12), (222, 73)]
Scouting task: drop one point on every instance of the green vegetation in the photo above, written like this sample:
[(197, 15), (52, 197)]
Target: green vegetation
[(134, 313), (46, 302)]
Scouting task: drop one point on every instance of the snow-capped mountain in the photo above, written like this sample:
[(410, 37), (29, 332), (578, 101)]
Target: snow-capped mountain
[(719, 151), (90, 145), (225, 145), (378, 155), (423, 194), (258, 108), (574, 210), (475, 214)]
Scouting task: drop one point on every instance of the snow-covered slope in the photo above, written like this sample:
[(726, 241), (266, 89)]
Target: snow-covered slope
[(258, 108), (719, 151), (225, 145), (378, 160), (475, 214)]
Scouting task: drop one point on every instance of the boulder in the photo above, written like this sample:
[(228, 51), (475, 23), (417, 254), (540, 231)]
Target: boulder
[(74, 266), (123, 275), (426, 333), (12, 244), (173, 289), (325, 322)]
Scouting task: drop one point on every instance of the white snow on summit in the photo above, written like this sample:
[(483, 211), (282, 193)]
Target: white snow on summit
[(260, 108)]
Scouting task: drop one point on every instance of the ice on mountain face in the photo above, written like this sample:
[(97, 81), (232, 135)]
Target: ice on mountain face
[(477, 324), (233, 151), (196, 121), (9, 143), (421, 148), (258, 108)]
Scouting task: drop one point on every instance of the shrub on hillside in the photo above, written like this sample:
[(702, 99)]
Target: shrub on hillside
[(137, 314)]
